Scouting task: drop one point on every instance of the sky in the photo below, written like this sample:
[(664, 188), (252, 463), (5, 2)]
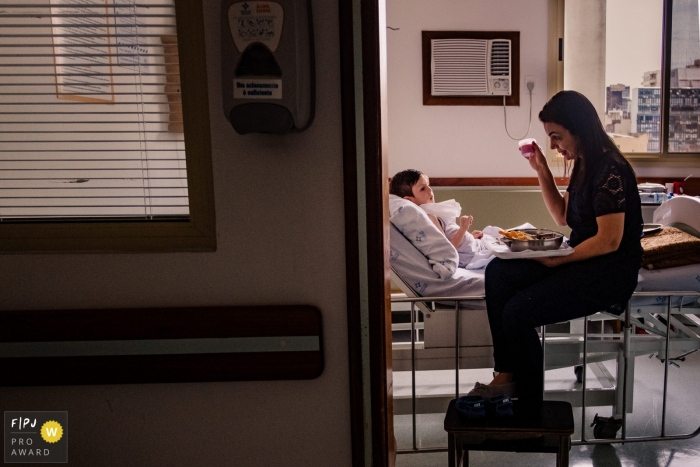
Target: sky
[(633, 38)]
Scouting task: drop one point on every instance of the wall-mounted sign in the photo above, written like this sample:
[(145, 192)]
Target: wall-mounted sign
[(82, 50)]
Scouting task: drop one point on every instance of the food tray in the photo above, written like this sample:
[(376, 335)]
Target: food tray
[(501, 250), (543, 240)]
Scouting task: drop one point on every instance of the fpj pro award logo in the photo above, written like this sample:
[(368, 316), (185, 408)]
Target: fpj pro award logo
[(36, 437)]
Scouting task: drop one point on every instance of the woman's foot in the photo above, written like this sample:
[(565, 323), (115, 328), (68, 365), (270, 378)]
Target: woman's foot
[(502, 378), (491, 390)]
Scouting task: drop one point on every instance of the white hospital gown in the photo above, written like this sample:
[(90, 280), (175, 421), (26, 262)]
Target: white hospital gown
[(473, 254)]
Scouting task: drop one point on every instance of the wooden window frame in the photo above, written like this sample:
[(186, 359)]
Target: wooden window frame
[(196, 234), (429, 99)]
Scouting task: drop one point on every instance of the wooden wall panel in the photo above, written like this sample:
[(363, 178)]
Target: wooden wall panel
[(159, 345)]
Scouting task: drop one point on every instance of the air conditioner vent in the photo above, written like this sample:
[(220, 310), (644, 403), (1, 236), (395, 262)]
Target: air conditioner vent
[(470, 67), (458, 67), (500, 58)]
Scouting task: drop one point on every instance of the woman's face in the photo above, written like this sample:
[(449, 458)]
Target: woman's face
[(562, 140)]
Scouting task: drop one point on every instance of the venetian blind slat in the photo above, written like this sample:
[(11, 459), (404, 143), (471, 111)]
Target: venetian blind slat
[(90, 112)]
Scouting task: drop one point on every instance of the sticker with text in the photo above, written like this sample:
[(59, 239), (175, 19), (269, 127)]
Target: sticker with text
[(252, 88), (37, 437)]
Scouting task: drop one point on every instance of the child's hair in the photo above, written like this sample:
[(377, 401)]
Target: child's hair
[(402, 183)]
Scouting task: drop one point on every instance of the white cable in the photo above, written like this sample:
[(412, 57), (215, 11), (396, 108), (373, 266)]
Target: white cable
[(505, 119)]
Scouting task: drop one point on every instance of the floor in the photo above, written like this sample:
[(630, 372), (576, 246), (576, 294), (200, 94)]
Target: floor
[(683, 416)]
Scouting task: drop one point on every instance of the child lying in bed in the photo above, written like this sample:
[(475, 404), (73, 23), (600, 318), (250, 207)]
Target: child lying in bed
[(414, 186)]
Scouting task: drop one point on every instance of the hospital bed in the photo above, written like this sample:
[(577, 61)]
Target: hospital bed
[(449, 328)]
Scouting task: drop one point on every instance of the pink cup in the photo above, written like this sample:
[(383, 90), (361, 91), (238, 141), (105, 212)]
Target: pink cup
[(527, 147)]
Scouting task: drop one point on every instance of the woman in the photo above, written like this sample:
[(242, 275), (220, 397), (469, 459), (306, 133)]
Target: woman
[(603, 209)]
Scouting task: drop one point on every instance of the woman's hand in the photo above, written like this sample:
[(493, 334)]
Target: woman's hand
[(537, 160), (611, 227), (556, 202), (551, 261)]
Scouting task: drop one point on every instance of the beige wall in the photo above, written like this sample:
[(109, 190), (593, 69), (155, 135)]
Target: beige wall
[(584, 51), (502, 207), (461, 141), (279, 212), (470, 141)]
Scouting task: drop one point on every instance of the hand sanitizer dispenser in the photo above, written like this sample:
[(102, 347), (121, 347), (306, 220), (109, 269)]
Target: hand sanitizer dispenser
[(267, 60)]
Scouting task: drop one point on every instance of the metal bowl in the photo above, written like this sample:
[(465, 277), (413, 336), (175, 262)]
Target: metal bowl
[(544, 240)]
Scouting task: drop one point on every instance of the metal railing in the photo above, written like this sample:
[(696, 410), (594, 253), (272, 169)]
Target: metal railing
[(626, 350)]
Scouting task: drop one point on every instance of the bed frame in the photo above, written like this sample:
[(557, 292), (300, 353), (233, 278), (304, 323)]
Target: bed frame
[(571, 350), (455, 336)]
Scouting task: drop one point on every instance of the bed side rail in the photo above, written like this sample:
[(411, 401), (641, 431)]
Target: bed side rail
[(627, 353)]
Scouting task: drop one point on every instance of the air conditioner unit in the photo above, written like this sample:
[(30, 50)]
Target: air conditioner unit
[(471, 67)]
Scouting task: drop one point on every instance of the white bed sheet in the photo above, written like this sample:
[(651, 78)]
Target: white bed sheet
[(415, 270), (679, 278)]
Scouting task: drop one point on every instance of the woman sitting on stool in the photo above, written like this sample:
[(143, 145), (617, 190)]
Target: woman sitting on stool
[(603, 209)]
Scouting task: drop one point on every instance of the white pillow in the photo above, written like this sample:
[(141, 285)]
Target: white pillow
[(417, 227)]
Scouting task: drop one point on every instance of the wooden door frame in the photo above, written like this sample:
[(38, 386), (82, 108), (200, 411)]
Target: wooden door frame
[(366, 230)]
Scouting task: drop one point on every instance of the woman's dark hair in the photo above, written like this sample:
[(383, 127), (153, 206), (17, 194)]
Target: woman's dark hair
[(574, 111), (402, 183)]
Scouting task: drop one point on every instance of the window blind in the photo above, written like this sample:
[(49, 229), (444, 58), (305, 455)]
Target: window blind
[(90, 112)]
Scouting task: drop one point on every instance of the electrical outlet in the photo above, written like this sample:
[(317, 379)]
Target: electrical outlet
[(530, 82)]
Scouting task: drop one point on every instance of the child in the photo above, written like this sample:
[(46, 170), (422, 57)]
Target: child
[(414, 186)]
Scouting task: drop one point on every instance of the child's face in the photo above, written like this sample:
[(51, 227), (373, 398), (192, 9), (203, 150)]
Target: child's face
[(422, 193)]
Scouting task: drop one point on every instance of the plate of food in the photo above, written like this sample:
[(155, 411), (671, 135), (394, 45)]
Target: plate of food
[(651, 228), (528, 243), (531, 239)]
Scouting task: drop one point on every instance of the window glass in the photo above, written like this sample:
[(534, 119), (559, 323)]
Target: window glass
[(633, 51), (684, 114), (90, 111)]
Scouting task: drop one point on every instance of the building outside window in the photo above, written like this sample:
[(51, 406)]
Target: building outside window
[(627, 36)]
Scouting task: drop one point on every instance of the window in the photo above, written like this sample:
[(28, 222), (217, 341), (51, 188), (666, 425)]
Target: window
[(104, 127), (638, 61)]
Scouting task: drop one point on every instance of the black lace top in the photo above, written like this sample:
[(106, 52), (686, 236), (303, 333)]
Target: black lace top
[(609, 187)]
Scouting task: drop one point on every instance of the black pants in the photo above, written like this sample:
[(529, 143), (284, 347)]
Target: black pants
[(522, 295)]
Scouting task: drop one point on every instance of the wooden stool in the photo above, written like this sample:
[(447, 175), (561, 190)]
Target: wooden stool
[(546, 430)]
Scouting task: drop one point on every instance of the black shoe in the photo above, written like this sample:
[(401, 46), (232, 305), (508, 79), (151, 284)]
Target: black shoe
[(471, 407), (499, 406)]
